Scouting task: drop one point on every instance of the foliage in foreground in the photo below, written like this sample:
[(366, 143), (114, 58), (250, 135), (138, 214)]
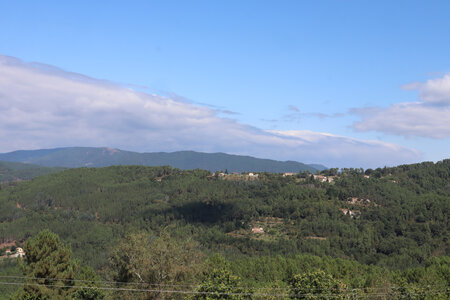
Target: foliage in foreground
[(218, 282), (150, 262), (50, 273), (316, 285), (149, 266)]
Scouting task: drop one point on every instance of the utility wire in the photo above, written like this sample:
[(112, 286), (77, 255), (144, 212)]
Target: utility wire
[(349, 292), (152, 290), (192, 285), (131, 283)]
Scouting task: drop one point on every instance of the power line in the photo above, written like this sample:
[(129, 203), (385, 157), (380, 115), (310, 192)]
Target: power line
[(147, 290), (131, 283), (429, 287), (348, 292)]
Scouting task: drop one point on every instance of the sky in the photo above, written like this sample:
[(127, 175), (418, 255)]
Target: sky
[(341, 83)]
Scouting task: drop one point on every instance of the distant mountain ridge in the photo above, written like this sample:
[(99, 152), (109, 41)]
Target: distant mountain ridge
[(74, 157)]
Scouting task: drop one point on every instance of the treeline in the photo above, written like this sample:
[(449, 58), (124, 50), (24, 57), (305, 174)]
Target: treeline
[(14, 171)]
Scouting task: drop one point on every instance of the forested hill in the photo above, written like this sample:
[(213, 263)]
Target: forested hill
[(13, 171), (396, 217), (185, 160)]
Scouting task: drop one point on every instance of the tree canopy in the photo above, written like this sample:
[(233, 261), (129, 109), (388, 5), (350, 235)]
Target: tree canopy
[(371, 223)]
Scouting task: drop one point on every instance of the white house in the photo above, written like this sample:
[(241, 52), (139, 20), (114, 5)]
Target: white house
[(257, 230), (19, 253)]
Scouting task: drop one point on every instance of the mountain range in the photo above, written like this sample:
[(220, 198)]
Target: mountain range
[(75, 157)]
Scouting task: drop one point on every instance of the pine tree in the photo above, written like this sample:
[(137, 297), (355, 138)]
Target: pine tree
[(220, 283), (316, 285), (48, 266)]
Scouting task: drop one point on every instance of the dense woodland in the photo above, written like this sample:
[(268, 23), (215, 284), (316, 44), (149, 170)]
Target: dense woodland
[(14, 171), (380, 232)]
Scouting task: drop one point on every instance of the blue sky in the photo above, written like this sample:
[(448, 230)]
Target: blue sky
[(371, 74)]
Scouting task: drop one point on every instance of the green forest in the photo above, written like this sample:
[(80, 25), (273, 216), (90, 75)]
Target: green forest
[(138, 232), (15, 171)]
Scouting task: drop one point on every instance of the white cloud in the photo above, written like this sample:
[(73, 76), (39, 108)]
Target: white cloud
[(429, 117), (43, 107), (349, 151), (435, 91)]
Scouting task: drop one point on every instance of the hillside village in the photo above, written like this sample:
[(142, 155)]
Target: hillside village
[(10, 250)]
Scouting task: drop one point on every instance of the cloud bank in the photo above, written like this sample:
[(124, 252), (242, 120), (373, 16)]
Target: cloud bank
[(429, 117), (43, 107)]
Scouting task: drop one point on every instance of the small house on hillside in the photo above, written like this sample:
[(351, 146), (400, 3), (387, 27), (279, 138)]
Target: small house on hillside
[(257, 230), (288, 174), (321, 178), (18, 253), (348, 212)]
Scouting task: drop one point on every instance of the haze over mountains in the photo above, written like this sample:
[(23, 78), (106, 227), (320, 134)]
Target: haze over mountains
[(74, 157)]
